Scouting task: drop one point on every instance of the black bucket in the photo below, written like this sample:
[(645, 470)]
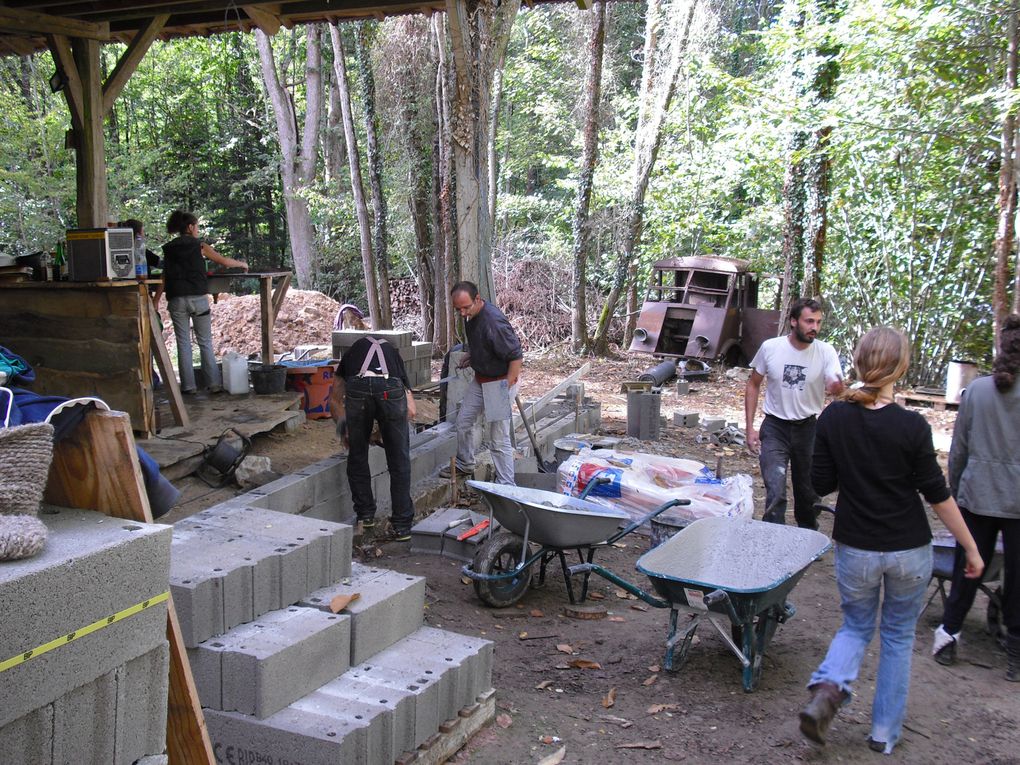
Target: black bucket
[(664, 527), (268, 378)]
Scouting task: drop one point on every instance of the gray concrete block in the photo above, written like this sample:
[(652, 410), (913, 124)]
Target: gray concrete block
[(85, 723), (390, 607), (207, 671), (334, 510), (473, 654), (426, 690), (142, 687), (280, 657), (102, 566), (418, 665), (289, 736), (378, 734), (289, 494), (29, 739), (399, 703), (685, 419)]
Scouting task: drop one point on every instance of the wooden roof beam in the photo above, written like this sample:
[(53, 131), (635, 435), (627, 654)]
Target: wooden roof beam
[(13, 20), (130, 59), (265, 20), (22, 46), (60, 48)]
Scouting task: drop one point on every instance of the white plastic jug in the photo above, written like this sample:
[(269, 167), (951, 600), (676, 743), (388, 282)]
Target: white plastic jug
[(235, 373)]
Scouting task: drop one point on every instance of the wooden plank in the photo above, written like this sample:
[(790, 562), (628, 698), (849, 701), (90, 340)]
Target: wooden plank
[(535, 410), (120, 390), (279, 294), (166, 370), (32, 22), (268, 317), (130, 59), (97, 468), (264, 20), (60, 49)]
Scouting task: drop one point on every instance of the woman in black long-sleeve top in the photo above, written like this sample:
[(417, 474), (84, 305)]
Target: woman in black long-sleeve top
[(880, 457)]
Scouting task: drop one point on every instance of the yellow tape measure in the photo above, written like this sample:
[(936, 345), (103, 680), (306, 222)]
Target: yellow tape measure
[(97, 625)]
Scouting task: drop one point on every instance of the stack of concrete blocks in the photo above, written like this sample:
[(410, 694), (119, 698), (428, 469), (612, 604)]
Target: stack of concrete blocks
[(643, 418), (321, 490), (570, 412), (99, 697), (296, 682), (417, 356)]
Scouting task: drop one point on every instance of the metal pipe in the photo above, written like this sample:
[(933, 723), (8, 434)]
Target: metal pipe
[(660, 373)]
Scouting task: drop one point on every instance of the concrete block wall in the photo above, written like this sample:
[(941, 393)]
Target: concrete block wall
[(101, 696), (417, 356)]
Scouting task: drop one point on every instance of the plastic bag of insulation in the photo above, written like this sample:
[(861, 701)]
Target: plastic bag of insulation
[(639, 483)]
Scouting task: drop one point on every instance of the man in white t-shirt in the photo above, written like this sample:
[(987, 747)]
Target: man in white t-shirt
[(800, 370)]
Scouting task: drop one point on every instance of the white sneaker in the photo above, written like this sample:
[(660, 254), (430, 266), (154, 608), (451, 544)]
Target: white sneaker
[(944, 646)]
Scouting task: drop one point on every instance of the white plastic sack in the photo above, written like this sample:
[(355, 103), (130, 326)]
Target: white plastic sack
[(642, 482)]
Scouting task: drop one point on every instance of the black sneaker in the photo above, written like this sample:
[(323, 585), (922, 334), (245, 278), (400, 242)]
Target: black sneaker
[(367, 523), (401, 535), (876, 746)]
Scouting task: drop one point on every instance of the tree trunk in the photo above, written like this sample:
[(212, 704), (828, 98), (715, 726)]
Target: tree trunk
[(297, 164), (793, 226), (375, 171), (446, 240), (334, 148), (354, 162), (586, 177), (479, 33), (655, 99), (493, 159), (1005, 234)]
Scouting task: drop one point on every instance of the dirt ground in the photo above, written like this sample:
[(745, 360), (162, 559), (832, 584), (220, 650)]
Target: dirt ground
[(622, 707)]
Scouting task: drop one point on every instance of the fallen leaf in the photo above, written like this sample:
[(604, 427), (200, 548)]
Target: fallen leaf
[(549, 740), (497, 626), (638, 607), (596, 596), (564, 648), (616, 619), (522, 635), (655, 709), (649, 680), (340, 602), (543, 685), (555, 758), (609, 699), (504, 720), (536, 613), (620, 545), (622, 722), (653, 668), (585, 664), (465, 580), (562, 666), (641, 745), (624, 595), (378, 552)]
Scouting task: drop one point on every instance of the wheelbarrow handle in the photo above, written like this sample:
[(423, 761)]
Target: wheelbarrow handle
[(593, 568), (656, 512), (598, 479)]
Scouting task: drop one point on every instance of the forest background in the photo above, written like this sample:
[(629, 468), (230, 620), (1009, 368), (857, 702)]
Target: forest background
[(862, 147)]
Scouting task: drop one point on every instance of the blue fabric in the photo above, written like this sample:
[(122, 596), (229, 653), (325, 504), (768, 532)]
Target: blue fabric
[(870, 583), (33, 407), (18, 370)]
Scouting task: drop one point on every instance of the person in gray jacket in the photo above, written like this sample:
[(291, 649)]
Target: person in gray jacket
[(984, 476)]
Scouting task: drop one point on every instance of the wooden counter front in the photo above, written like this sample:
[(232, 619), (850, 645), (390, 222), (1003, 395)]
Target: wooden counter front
[(85, 339)]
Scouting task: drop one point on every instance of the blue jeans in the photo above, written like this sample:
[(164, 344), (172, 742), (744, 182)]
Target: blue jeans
[(378, 399), (194, 310), (861, 576), (786, 443), (497, 434)]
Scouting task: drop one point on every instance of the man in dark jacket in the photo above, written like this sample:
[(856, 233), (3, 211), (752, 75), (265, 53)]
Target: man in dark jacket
[(372, 387), (495, 355)]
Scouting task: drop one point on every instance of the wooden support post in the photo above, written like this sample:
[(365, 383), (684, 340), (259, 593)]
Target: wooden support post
[(166, 371), (268, 318), (96, 468), (90, 154)]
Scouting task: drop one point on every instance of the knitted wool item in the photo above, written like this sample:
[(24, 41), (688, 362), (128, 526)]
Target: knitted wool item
[(26, 452), (21, 536)]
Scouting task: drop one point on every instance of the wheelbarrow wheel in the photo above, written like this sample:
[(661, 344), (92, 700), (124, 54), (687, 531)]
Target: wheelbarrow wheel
[(501, 555)]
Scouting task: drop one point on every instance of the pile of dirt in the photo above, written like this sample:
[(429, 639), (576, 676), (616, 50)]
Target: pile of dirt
[(306, 318)]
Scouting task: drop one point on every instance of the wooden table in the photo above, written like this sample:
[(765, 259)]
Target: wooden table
[(273, 286)]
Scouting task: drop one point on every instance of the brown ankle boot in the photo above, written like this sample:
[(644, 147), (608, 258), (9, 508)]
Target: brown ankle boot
[(826, 699)]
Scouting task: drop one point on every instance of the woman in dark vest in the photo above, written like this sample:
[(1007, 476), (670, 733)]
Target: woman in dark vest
[(186, 287)]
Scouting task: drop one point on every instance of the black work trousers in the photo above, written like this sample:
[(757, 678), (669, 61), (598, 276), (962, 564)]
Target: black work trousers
[(369, 400)]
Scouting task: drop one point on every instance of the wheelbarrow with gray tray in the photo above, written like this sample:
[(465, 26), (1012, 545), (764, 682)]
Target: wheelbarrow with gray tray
[(740, 569), (555, 523)]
